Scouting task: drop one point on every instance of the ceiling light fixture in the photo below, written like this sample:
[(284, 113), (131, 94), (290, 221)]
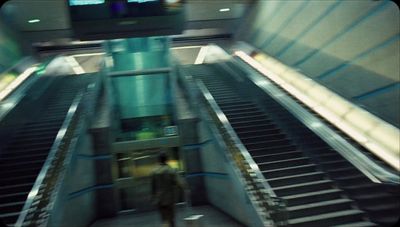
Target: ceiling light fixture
[(224, 10), (33, 21)]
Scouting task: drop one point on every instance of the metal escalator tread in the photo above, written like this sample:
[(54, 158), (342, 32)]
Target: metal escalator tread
[(12, 197), (248, 117), (273, 149), (9, 218), (289, 171), (358, 224), (303, 187), (329, 219), (11, 207), (39, 156), (283, 163), (268, 143), (305, 198), (296, 179), (279, 156), (19, 171), (251, 128), (316, 208), (22, 163)]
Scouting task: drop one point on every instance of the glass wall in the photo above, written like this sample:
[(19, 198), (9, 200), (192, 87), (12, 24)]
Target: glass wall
[(142, 96), (12, 52)]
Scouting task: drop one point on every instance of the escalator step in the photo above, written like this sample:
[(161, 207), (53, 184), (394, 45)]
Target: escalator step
[(11, 207), (303, 187), (21, 164), (358, 224), (329, 219), (244, 132), (352, 179), (267, 144), (361, 189), (343, 171), (249, 118), (26, 151), (244, 114), (283, 163), (16, 188), (329, 157), (336, 164), (276, 157), (310, 197), (14, 197), (40, 130), (240, 109), (272, 150), (28, 140), (240, 106), (26, 146), (296, 179), (9, 218), (251, 123), (369, 199), (261, 137), (289, 171), (319, 208), (31, 157), (18, 180)]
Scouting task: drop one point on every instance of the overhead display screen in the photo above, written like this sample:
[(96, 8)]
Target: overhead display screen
[(110, 19), (85, 2), (103, 9)]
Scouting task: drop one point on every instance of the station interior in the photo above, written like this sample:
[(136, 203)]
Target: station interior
[(273, 112)]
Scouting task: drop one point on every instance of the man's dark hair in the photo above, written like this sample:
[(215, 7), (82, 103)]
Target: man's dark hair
[(162, 158)]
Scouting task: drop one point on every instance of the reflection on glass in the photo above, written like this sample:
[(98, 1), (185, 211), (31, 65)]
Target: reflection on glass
[(127, 201), (124, 165), (6, 79), (144, 128), (85, 2)]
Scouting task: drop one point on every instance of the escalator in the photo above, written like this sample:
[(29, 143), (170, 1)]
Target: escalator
[(24, 154), (321, 188)]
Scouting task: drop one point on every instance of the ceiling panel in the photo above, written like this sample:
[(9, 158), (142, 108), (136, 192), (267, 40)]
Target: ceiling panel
[(54, 18)]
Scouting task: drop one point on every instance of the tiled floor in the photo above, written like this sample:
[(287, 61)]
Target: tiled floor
[(212, 218)]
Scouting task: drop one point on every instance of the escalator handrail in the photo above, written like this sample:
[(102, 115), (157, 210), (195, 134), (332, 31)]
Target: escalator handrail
[(366, 165), (272, 198), (45, 171)]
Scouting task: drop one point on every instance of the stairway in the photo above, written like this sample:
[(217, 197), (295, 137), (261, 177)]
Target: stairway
[(25, 153), (381, 202), (320, 186)]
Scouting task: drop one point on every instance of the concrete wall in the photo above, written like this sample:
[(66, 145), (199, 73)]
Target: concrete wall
[(351, 47), (76, 204), (223, 187), (88, 192)]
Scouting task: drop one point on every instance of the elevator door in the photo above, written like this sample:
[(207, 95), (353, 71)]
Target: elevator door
[(133, 170)]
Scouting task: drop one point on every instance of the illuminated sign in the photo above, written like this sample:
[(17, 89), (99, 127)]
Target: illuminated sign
[(142, 1), (85, 2)]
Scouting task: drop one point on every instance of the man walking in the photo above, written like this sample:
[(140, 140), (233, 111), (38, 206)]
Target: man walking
[(165, 181)]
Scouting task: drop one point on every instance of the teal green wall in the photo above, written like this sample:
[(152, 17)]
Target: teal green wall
[(351, 47), (140, 95)]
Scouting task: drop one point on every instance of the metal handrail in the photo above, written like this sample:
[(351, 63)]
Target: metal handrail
[(41, 198), (368, 167), (274, 206)]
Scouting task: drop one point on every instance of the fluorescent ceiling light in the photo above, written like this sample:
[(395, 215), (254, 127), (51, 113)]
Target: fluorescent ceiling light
[(33, 21), (224, 10)]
